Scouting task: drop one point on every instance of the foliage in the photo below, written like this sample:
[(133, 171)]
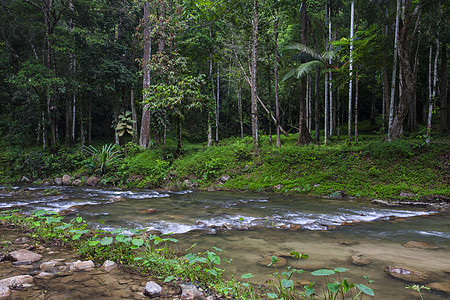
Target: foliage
[(104, 158), (125, 124)]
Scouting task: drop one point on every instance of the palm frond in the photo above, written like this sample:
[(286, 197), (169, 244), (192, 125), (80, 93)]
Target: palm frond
[(328, 55), (304, 49), (303, 69)]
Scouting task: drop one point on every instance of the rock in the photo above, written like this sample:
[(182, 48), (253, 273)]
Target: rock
[(384, 203), (16, 280), (22, 263), (92, 181), (420, 245), (406, 194), (66, 179), (190, 292), (23, 254), (67, 212), (5, 293), (58, 181), (406, 274), (443, 287), (152, 289), (108, 266), (22, 240), (224, 178), (360, 260), (87, 265), (190, 184), (116, 199), (49, 264), (77, 182), (148, 211), (45, 275)]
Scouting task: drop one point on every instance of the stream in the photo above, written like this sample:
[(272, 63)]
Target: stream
[(252, 227)]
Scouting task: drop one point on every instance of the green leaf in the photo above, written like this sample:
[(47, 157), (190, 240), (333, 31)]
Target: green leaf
[(137, 242), (333, 287), (248, 275), (365, 289), (217, 249), (340, 270), (273, 260), (299, 255), (93, 243), (106, 241), (272, 295), (213, 272), (287, 283), (170, 278), (322, 272), (309, 291)]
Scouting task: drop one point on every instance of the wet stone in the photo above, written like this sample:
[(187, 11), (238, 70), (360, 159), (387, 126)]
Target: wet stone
[(420, 245), (79, 277), (108, 266), (22, 262), (190, 292), (92, 283), (21, 241), (360, 260), (152, 289), (442, 287), (407, 274), (5, 292), (82, 265), (46, 275), (23, 254)]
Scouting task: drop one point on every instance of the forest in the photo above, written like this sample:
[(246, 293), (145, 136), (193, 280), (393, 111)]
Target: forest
[(74, 71)]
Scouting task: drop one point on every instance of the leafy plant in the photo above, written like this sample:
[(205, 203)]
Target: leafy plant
[(104, 158), (418, 289)]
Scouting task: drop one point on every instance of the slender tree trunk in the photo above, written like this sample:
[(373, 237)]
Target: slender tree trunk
[(209, 112), (241, 121), (326, 94), (444, 120), (394, 72), (350, 85), (82, 133), (277, 106), (330, 75), (433, 88), (385, 104), (316, 106), (253, 85), (144, 140), (133, 115), (217, 105), (356, 106), (90, 122), (68, 119)]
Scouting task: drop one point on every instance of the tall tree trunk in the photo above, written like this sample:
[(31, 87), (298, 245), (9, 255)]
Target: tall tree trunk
[(90, 122), (212, 87), (385, 104), (239, 96), (350, 85), (407, 78), (316, 106), (217, 104), (444, 120), (277, 106), (82, 133), (133, 115), (433, 84), (304, 137), (253, 81), (394, 72), (356, 80), (144, 140), (330, 75)]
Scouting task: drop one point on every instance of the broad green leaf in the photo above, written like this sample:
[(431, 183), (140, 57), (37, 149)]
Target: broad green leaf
[(340, 270), (137, 242), (106, 241), (287, 283), (272, 295), (248, 275), (333, 287), (322, 272), (365, 289)]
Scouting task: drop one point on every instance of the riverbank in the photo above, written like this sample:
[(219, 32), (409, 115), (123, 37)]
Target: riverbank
[(406, 170)]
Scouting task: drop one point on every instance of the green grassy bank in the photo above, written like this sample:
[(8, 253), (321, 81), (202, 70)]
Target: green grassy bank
[(369, 168)]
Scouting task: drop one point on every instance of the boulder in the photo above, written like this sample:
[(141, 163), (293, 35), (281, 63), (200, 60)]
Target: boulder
[(224, 178), (77, 182), (420, 245), (22, 263), (360, 260), (190, 184), (92, 181), (58, 181), (108, 266), (442, 287), (116, 199), (49, 264), (190, 292), (16, 280), (87, 265), (66, 179), (23, 254), (45, 275), (407, 274), (67, 212), (406, 194), (152, 289), (5, 293)]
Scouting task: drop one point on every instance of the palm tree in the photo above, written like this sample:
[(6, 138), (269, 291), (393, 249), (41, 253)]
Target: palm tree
[(313, 61)]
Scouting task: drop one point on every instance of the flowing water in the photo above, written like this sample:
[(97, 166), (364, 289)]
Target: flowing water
[(252, 227)]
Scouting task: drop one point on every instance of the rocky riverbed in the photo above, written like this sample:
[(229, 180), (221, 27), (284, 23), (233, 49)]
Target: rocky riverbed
[(29, 270)]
